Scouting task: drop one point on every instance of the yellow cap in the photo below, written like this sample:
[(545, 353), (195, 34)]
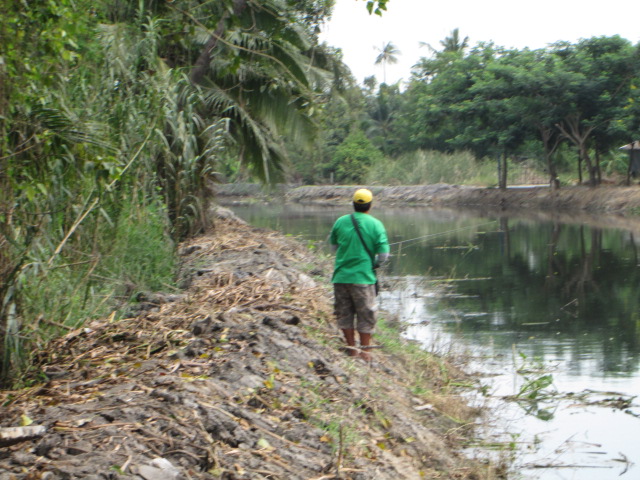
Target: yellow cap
[(362, 196)]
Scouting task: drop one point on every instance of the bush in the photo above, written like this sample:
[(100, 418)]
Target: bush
[(354, 156)]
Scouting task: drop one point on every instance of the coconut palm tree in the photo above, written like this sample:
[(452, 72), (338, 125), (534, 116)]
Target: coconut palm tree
[(453, 43), (388, 55), (452, 47), (109, 116), (450, 44), (261, 71)]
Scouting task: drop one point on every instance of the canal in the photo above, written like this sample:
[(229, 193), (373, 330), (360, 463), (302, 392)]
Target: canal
[(547, 314)]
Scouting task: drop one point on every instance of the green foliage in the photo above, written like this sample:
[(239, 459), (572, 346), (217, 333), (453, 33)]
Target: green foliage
[(110, 140), (341, 112), (354, 156), (601, 96), (134, 254), (113, 256), (534, 388), (377, 6), (381, 123), (494, 101), (141, 255)]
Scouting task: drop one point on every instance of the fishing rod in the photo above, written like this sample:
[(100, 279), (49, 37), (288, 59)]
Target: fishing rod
[(431, 235)]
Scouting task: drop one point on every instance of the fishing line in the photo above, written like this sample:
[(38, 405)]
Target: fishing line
[(431, 235)]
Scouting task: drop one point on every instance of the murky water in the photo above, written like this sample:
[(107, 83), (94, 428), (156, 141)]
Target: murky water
[(549, 312)]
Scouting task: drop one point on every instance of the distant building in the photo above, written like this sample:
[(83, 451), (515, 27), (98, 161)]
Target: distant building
[(634, 160)]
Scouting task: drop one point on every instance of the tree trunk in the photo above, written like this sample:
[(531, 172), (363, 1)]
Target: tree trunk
[(572, 129), (591, 168), (503, 171), (579, 168), (554, 181), (546, 135)]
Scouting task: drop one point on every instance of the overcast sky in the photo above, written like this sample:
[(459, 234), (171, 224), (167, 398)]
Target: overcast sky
[(507, 23)]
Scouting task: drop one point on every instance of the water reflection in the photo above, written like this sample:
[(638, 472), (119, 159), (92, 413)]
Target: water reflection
[(512, 290), (552, 282)]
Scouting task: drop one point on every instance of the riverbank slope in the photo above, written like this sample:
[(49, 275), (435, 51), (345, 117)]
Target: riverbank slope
[(603, 207), (239, 376), (603, 199)]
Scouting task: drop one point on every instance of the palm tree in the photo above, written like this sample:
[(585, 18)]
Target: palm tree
[(453, 43), (452, 47), (388, 55), (261, 72), (450, 44)]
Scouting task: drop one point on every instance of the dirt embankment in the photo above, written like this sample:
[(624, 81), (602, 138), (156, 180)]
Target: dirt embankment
[(241, 376), (603, 199), (605, 206)]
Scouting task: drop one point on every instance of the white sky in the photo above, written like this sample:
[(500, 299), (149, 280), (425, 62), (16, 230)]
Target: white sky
[(507, 23)]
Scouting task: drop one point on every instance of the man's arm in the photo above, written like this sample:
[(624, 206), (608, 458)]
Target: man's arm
[(382, 258), (382, 246)]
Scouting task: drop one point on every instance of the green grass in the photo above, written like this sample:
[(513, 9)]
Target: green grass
[(421, 167), (143, 253), (96, 273), (462, 168)]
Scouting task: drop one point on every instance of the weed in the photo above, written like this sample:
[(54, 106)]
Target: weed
[(534, 389), (62, 289)]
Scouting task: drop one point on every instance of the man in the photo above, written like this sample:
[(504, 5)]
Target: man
[(354, 278)]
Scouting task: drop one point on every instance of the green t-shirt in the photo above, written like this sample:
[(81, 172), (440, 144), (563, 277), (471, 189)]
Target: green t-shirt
[(353, 263)]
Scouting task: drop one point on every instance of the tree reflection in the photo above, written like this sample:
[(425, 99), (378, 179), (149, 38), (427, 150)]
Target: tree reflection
[(539, 284)]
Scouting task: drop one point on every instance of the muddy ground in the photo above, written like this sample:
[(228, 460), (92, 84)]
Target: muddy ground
[(240, 375)]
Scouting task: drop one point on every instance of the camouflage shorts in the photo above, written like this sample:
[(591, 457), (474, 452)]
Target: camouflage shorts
[(355, 302)]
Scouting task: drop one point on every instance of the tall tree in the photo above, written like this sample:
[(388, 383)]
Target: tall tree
[(453, 43), (388, 56), (605, 71), (382, 110), (438, 114), (260, 69), (453, 49)]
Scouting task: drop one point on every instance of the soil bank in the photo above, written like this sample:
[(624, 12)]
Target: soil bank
[(606, 206), (241, 375), (602, 199)]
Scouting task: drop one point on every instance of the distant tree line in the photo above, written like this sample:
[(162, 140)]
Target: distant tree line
[(497, 103)]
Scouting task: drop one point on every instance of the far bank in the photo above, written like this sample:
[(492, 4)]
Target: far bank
[(604, 206), (603, 199)]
